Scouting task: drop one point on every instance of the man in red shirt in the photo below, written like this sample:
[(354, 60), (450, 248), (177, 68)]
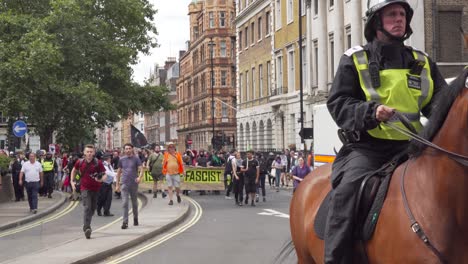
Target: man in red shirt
[(92, 173)]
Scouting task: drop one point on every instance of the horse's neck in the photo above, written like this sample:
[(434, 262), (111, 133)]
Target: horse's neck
[(444, 180)]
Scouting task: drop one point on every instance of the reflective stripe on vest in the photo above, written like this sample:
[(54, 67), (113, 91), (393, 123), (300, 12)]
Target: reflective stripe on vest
[(407, 93), (48, 165)]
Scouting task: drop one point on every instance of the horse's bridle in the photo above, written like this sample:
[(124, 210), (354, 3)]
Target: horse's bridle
[(461, 159)]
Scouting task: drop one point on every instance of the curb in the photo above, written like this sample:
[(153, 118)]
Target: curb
[(132, 243), (41, 214)]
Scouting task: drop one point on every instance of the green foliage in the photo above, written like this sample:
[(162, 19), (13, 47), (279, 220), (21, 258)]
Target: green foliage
[(66, 64), (4, 162)]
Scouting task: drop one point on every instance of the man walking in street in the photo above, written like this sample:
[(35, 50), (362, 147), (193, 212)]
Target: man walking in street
[(173, 167), (127, 174), (105, 193), (33, 178), (155, 168), (92, 174), (252, 173), (49, 168), (228, 174)]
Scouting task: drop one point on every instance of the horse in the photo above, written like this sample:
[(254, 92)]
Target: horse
[(436, 188)]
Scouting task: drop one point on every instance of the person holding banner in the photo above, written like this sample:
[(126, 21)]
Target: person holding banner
[(173, 167)]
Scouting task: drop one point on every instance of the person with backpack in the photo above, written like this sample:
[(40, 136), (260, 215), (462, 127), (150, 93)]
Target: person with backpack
[(92, 174), (228, 174), (154, 163)]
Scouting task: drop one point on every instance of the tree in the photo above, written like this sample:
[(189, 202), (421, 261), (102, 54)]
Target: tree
[(66, 64)]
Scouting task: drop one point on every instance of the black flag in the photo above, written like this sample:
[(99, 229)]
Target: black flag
[(138, 139)]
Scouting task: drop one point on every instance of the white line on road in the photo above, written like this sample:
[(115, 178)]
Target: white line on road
[(271, 212)]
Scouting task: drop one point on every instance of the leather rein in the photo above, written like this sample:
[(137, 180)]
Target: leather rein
[(461, 159)]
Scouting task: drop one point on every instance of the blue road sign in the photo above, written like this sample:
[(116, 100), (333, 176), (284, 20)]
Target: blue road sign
[(19, 128)]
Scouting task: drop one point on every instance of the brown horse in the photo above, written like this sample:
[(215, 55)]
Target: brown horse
[(436, 188)]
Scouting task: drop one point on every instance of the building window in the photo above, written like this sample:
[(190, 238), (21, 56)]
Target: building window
[(224, 110), (268, 78), (240, 88), (223, 78), (240, 41), (348, 36), (203, 82), (291, 71), (211, 18), (222, 47), (289, 11), (267, 23), (246, 42), (259, 26), (315, 7), (278, 14), (254, 91), (315, 70), (279, 75), (332, 3), (247, 86), (222, 19), (260, 79), (304, 66), (332, 56), (252, 32), (303, 8)]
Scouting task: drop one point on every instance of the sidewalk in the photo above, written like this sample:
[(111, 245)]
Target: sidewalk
[(14, 214), (155, 218)]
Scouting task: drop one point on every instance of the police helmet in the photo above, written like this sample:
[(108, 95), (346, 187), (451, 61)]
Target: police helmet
[(374, 20)]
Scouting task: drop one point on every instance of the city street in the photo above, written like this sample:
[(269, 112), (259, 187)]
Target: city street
[(225, 233), (215, 230)]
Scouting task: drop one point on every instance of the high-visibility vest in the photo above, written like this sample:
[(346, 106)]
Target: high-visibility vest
[(407, 93), (47, 165)]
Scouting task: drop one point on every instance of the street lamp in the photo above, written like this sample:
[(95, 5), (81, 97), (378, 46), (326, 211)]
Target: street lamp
[(211, 44)]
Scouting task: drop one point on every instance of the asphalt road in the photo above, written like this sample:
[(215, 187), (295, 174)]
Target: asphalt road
[(226, 233)]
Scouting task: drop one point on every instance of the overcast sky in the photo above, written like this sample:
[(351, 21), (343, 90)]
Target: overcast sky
[(172, 23)]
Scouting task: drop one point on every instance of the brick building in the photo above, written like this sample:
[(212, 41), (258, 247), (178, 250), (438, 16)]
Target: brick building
[(211, 30)]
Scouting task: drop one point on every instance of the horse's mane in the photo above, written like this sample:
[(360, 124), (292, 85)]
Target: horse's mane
[(439, 111)]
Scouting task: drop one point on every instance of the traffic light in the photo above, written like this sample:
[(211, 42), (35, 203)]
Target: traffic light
[(307, 133)]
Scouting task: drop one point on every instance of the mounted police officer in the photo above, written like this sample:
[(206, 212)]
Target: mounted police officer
[(371, 83)]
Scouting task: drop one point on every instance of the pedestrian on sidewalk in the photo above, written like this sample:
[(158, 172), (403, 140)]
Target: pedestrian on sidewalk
[(127, 174), (49, 167), (92, 174), (155, 162), (115, 165), (251, 175), (105, 193), (173, 167), (33, 179), (15, 172)]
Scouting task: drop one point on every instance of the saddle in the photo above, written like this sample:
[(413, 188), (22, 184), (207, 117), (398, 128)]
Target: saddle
[(369, 202)]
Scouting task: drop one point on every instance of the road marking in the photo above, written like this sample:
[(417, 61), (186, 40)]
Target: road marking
[(71, 206), (271, 212), (140, 205), (192, 222)]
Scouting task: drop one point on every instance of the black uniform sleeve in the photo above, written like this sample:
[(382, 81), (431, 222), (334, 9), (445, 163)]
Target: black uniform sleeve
[(439, 85), (346, 101)]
